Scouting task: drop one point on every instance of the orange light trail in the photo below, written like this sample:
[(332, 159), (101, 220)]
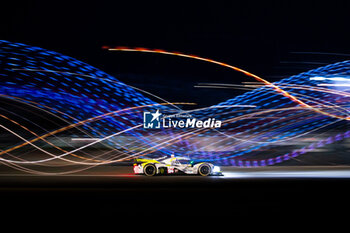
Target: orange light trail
[(278, 89), (75, 125)]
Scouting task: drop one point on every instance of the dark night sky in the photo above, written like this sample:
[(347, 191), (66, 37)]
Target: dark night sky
[(259, 36)]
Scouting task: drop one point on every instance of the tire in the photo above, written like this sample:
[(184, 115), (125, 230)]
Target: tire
[(149, 169), (204, 170), (163, 170)]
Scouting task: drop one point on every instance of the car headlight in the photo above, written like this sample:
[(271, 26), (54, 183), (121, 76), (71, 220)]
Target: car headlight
[(216, 169)]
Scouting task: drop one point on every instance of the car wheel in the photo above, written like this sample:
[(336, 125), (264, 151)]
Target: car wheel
[(149, 169), (204, 170), (163, 170)]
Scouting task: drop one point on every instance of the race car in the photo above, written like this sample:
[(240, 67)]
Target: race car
[(172, 165)]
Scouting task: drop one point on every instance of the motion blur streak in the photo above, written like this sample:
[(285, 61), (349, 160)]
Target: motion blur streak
[(278, 89), (50, 100), (72, 126)]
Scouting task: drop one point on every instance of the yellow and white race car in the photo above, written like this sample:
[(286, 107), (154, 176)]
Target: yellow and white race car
[(173, 165)]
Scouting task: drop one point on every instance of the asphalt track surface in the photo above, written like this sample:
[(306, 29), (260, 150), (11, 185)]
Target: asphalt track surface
[(114, 194)]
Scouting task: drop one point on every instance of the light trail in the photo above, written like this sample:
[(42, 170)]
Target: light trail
[(158, 144), (64, 154), (85, 146), (84, 139), (66, 128), (291, 86), (104, 79), (334, 85), (278, 89), (76, 92)]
